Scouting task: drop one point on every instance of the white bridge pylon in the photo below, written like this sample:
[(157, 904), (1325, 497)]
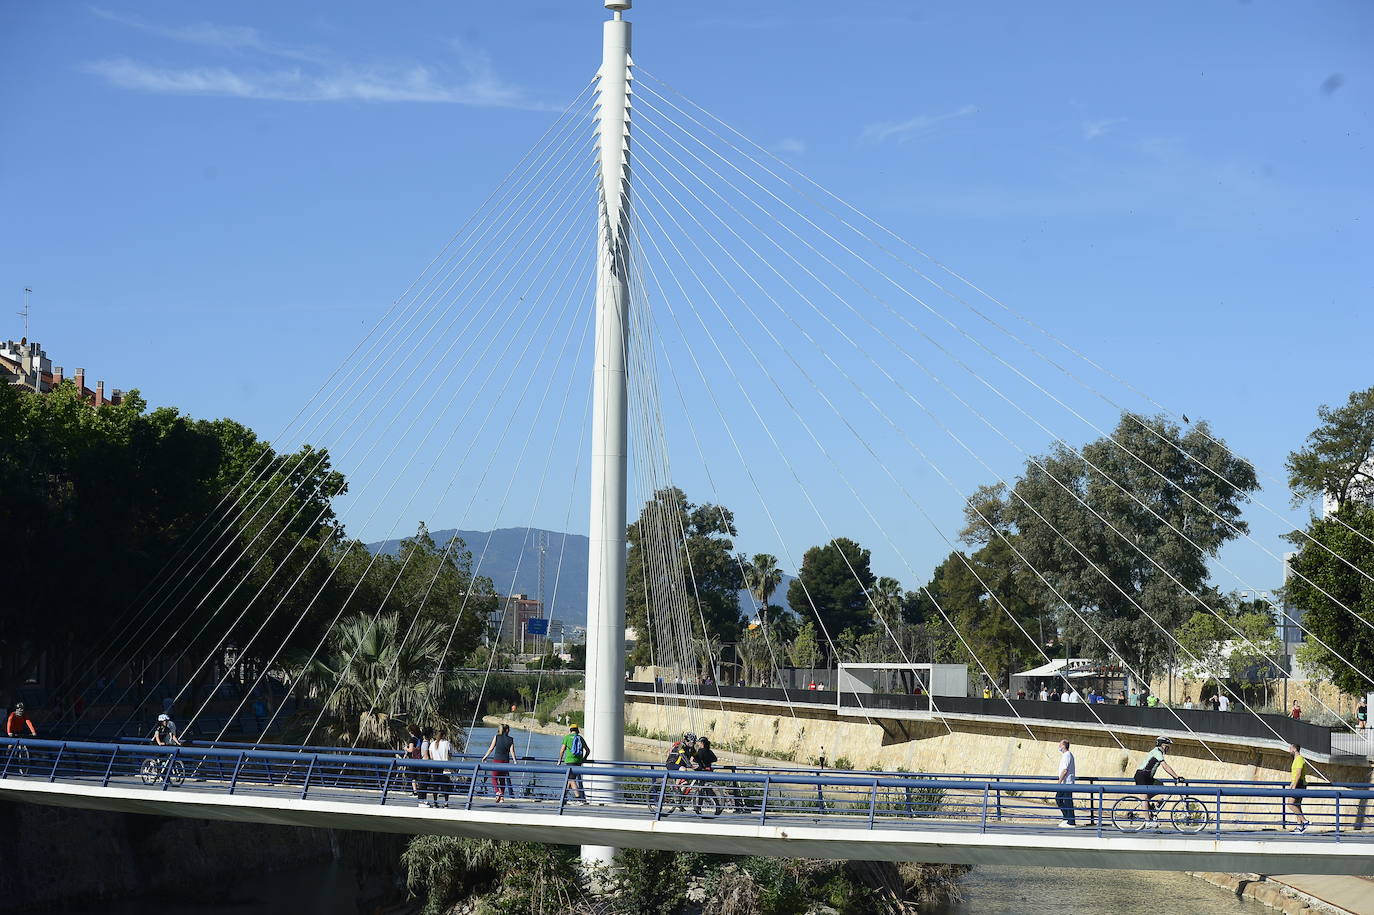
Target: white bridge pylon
[(605, 696)]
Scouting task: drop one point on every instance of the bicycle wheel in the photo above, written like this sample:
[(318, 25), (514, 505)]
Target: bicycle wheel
[(22, 765), (177, 774), (1128, 814), (707, 803), (1189, 815), (150, 771)]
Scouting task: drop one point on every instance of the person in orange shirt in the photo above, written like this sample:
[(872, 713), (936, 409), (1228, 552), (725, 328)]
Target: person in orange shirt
[(17, 721)]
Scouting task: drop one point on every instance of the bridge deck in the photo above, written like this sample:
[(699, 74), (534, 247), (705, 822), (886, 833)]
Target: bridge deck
[(838, 815)]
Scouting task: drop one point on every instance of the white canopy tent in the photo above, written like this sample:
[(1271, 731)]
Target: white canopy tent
[(1060, 669)]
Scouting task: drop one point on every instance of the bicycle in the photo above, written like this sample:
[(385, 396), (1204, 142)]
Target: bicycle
[(705, 800), (1186, 814), (19, 759), (155, 769)]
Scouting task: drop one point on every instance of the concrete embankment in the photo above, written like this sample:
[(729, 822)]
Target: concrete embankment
[(58, 857), (1301, 893), (999, 746)]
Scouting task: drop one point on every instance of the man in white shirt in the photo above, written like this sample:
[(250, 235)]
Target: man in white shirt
[(1224, 703), (1071, 695), (1068, 774), (1044, 693)]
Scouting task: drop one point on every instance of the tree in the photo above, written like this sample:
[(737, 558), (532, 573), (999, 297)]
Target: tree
[(988, 602), (833, 586), (806, 649), (756, 653), (249, 532), (889, 600), (681, 558), (763, 576), (1329, 581), (1232, 640), (1123, 530), (373, 682), (1338, 462)]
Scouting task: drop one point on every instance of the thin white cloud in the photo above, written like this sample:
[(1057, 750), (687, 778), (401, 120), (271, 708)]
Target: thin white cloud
[(790, 146), (232, 38), (256, 71), (1094, 129), (921, 125), (415, 84)]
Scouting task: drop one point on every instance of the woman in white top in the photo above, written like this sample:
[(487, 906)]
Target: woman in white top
[(440, 750)]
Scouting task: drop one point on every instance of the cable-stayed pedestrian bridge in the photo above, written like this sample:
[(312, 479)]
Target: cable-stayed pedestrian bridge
[(830, 814), (734, 329)]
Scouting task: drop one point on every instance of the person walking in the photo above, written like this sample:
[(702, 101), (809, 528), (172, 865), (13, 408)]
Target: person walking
[(1068, 774), (414, 749), (1223, 703), (573, 753), (1296, 711), (441, 750), (502, 750), (1362, 715), (1298, 783)]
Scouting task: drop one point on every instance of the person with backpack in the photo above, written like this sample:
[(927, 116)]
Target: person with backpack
[(573, 753)]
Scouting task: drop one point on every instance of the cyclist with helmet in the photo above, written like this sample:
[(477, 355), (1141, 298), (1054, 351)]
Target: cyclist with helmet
[(17, 721), (1145, 775), (165, 734), (683, 753), (682, 756)]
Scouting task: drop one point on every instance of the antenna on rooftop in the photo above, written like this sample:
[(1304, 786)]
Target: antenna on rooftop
[(25, 313)]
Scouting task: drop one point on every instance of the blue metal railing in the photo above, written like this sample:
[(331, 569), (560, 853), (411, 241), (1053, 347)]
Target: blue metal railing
[(863, 800)]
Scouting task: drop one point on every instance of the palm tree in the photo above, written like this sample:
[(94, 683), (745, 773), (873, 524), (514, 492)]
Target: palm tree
[(763, 577), (887, 597), (377, 677)]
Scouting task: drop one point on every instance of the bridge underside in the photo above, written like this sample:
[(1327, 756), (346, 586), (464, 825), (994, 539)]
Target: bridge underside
[(598, 825)]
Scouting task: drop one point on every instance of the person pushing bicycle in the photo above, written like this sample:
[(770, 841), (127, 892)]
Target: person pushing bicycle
[(1145, 775)]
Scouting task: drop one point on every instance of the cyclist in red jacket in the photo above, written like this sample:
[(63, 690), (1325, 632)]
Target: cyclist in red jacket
[(17, 721)]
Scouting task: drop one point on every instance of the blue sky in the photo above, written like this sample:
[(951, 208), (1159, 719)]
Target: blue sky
[(213, 203)]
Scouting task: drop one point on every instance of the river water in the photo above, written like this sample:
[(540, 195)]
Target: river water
[(329, 889)]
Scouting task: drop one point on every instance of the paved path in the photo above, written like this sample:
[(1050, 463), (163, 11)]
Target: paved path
[(1353, 894)]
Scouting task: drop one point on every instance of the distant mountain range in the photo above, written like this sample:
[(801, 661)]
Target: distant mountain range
[(509, 556)]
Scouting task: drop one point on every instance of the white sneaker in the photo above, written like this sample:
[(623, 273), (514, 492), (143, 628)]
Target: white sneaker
[(1065, 824)]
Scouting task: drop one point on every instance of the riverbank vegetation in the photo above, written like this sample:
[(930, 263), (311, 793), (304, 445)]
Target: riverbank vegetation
[(522, 878)]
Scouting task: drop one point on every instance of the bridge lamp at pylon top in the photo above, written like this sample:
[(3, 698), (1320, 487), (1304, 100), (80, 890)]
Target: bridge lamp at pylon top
[(619, 6)]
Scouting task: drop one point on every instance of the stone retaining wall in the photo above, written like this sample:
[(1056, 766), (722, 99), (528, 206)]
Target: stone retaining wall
[(992, 746)]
